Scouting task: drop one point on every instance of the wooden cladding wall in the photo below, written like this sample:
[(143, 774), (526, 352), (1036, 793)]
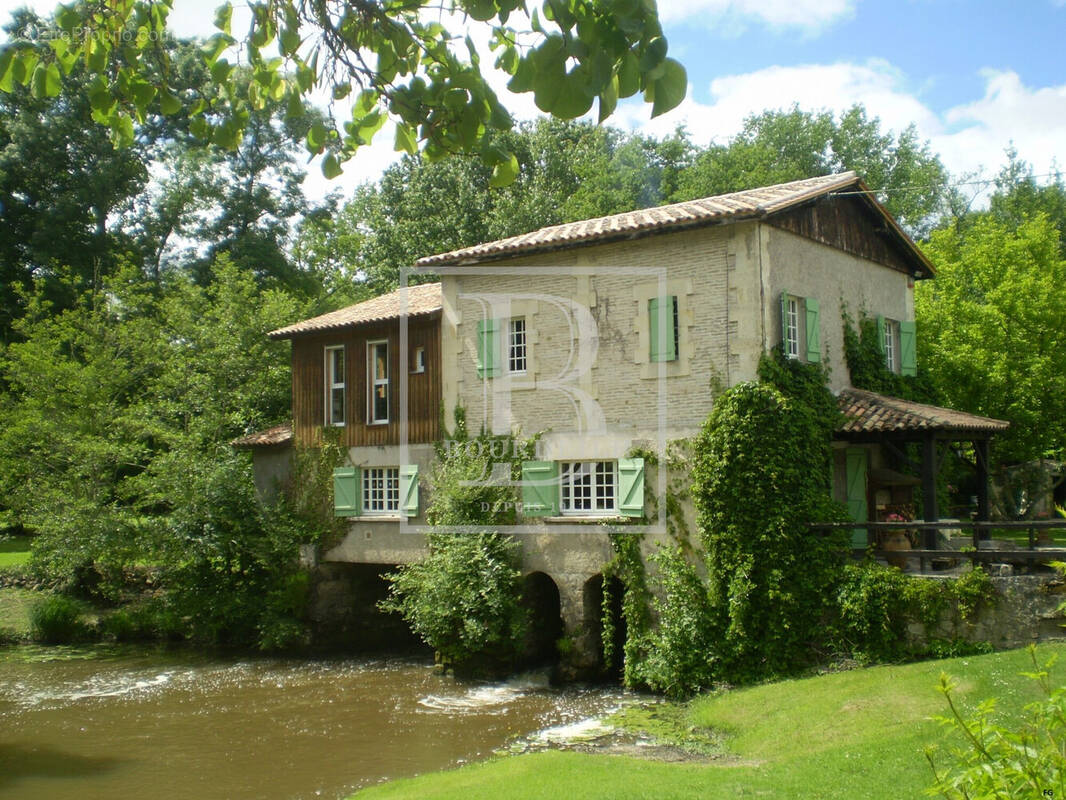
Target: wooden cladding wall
[(849, 225), (423, 388)]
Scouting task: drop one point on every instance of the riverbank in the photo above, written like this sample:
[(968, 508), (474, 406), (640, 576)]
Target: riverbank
[(860, 733)]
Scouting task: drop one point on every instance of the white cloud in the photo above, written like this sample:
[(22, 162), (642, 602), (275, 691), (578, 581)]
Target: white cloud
[(968, 137), (1034, 119), (732, 16)]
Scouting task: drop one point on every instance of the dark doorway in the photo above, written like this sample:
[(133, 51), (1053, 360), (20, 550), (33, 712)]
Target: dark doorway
[(540, 596)]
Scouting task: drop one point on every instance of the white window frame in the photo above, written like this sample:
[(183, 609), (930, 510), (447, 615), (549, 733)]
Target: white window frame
[(517, 346), (380, 491), (373, 382), (332, 385), (792, 327), (419, 360), (590, 477), (891, 345)]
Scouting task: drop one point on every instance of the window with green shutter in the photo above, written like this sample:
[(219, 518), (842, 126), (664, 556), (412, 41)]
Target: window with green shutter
[(488, 348), (814, 332), (631, 487), (663, 328), (409, 490), (540, 488), (908, 349), (856, 493), (346, 492)]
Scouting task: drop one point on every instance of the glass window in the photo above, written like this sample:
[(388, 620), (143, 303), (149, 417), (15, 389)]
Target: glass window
[(516, 345), (588, 487), (891, 345), (792, 328), (335, 386), (377, 357), (381, 490), (418, 361)]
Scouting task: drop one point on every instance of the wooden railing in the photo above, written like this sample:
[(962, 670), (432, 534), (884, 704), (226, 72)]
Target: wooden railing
[(980, 549)]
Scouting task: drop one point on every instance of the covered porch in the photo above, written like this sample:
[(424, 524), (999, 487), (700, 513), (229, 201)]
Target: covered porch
[(886, 481)]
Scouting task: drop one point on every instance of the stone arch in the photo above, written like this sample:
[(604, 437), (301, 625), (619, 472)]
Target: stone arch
[(592, 602), (540, 596)]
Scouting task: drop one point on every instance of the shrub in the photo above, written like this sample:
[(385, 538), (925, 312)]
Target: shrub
[(997, 761), (57, 619), (464, 599)]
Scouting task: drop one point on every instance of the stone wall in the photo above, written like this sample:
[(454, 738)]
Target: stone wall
[(1026, 611)]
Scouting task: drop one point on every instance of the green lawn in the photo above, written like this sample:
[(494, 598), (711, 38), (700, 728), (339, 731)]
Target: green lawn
[(14, 551), (15, 610), (856, 734)]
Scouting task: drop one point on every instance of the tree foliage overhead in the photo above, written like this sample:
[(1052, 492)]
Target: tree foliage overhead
[(395, 60)]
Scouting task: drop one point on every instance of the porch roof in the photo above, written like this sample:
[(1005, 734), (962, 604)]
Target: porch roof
[(869, 413), (271, 437)]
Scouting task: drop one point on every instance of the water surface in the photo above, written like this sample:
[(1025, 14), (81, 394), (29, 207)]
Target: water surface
[(106, 723)]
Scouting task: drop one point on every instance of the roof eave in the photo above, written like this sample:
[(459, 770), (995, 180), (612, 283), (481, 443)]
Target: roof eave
[(285, 333)]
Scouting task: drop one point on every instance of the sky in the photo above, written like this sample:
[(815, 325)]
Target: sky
[(974, 76)]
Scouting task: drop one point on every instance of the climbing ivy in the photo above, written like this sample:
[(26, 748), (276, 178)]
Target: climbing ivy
[(760, 477), (865, 356)]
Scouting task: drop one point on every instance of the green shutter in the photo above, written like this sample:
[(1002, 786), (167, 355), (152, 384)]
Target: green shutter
[(488, 348), (784, 322), (631, 487), (661, 329), (856, 489), (540, 488), (908, 352), (881, 337), (409, 490), (814, 333), (346, 494)]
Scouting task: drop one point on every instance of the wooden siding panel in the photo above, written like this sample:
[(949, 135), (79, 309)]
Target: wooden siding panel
[(423, 389), (847, 224)]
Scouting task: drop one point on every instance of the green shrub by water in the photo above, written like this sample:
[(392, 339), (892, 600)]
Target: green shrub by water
[(58, 619)]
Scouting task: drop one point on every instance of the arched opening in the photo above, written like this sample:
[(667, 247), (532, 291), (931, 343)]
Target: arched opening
[(345, 615), (596, 614), (540, 596)]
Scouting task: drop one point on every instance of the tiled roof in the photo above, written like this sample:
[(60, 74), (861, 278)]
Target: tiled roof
[(271, 437), (866, 412), (749, 204), (421, 299)]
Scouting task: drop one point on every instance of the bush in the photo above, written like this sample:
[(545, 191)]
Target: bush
[(997, 761), (464, 599), (877, 605), (57, 619)]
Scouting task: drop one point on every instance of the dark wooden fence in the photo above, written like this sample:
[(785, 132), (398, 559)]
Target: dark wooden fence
[(981, 549)]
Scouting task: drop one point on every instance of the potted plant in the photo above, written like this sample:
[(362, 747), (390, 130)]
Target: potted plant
[(896, 541)]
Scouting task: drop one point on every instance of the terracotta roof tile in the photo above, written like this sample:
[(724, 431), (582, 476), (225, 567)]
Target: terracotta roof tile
[(271, 437), (752, 203), (421, 299), (866, 412)]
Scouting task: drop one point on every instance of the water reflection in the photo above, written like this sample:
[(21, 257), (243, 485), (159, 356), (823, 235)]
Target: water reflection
[(125, 723)]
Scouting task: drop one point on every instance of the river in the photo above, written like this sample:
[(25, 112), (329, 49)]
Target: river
[(143, 723)]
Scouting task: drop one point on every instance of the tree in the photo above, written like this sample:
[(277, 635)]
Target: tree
[(61, 183), (993, 330), (397, 63), (779, 146)]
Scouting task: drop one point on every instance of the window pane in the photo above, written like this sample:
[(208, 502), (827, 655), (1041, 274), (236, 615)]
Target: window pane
[(381, 490), (336, 409), (338, 365), (381, 402), (381, 365), (516, 350), (792, 329)]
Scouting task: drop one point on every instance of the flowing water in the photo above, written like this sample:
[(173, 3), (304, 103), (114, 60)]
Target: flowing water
[(156, 724)]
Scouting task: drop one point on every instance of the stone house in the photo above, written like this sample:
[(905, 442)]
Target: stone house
[(607, 337)]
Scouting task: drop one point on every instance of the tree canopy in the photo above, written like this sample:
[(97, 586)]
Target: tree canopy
[(391, 61)]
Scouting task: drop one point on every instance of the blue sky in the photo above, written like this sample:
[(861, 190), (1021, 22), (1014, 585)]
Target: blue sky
[(973, 76)]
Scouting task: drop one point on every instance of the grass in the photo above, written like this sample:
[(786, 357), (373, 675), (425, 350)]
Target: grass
[(845, 735), (15, 607), (14, 551)]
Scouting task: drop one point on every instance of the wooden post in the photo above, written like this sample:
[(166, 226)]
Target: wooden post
[(930, 512), (980, 449)]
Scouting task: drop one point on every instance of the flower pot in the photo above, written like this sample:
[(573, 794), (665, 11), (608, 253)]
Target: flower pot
[(896, 542)]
